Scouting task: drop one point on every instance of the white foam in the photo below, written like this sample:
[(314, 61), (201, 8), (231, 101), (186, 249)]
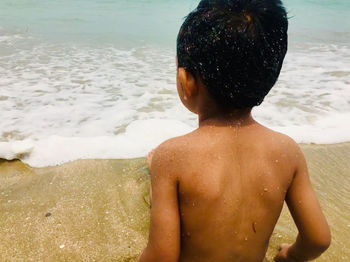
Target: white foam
[(139, 138), (74, 102), (16, 149), (327, 130)]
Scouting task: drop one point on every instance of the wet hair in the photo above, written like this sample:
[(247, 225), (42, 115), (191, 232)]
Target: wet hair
[(236, 47)]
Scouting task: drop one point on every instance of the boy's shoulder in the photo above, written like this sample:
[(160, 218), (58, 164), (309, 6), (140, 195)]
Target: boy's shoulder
[(175, 147), (182, 150), (282, 145), (280, 140), (285, 143), (179, 152), (267, 135), (171, 152), (272, 139), (181, 147)]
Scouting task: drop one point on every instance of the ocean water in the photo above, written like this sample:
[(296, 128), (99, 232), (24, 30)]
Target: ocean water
[(96, 78)]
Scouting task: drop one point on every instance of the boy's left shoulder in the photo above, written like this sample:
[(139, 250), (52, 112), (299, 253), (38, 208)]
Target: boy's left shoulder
[(176, 146), (171, 153)]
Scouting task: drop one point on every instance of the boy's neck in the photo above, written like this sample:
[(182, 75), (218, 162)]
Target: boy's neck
[(233, 117)]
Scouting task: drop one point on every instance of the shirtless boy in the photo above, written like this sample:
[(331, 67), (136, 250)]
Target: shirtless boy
[(219, 190)]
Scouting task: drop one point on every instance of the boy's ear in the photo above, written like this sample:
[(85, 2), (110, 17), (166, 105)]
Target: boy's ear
[(188, 83)]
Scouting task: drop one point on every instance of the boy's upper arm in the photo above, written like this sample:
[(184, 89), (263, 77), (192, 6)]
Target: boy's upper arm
[(304, 206), (164, 236)]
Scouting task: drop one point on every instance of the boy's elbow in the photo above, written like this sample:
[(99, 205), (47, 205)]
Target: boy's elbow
[(159, 255), (324, 242), (321, 243), (167, 258)]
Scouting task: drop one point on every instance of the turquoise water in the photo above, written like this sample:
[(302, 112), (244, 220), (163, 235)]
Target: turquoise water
[(96, 78), (133, 22), (155, 21), (325, 21)]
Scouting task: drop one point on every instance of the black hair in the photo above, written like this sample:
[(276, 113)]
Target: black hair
[(236, 47)]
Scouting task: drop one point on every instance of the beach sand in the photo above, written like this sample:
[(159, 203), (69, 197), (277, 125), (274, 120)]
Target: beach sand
[(97, 210)]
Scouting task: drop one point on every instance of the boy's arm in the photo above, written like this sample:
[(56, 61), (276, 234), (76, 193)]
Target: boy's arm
[(314, 234), (164, 235)]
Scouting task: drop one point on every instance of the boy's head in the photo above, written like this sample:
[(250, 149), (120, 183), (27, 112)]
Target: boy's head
[(235, 47)]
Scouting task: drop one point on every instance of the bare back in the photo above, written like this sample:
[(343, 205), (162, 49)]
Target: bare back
[(232, 186)]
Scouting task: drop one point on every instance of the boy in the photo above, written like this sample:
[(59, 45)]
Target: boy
[(219, 190)]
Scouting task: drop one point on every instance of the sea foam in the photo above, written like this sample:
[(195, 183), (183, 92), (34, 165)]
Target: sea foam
[(139, 138), (79, 101)]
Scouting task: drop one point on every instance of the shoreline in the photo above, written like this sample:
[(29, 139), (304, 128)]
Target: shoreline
[(93, 209)]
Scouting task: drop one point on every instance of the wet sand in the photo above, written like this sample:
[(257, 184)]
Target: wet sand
[(96, 210)]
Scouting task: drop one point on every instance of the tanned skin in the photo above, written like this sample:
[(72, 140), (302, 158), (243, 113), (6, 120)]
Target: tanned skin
[(218, 191)]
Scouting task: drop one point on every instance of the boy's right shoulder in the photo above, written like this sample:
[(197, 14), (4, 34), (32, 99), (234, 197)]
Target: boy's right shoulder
[(279, 140), (286, 146)]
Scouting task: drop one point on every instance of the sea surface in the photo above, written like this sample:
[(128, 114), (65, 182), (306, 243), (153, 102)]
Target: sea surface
[(96, 78)]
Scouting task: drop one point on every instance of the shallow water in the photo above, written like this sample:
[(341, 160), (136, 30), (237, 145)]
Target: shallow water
[(81, 72), (91, 210)]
